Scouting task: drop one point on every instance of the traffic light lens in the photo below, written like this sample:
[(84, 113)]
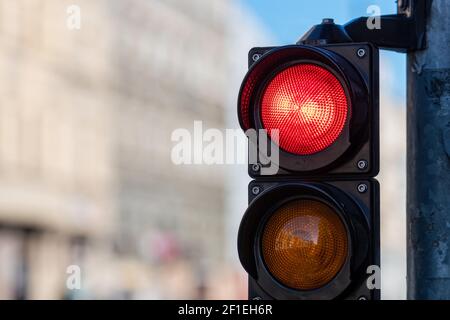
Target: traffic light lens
[(309, 107), (304, 244)]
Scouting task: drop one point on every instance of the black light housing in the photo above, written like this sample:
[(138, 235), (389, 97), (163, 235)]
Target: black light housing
[(359, 213), (312, 229), (359, 77)]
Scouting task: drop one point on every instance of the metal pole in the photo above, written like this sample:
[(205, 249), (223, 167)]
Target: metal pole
[(428, 181)]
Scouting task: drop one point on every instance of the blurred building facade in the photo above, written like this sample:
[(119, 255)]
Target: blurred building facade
[(393, 187), (56, 166), (86, 118)]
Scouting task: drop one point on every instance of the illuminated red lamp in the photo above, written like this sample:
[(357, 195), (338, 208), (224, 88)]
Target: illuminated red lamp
[(318, 101), (309, 107)]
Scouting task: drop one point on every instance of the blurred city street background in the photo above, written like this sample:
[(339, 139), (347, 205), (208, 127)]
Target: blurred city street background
[(86, 118)]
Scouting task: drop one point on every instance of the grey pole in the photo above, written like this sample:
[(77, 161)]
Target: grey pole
[(428, 181)]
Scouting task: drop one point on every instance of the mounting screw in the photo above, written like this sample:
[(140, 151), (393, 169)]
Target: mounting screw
[(362, 164), (361, 52), (362, 298), (256, 57), (256, 168), (256, 190), (362, 188)]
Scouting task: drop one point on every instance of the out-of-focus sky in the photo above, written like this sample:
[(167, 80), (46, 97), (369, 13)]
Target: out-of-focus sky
[(288, 20)]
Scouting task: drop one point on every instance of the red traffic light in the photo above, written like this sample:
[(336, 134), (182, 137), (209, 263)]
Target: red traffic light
[(320, 101), (308, 105), (312, 226)]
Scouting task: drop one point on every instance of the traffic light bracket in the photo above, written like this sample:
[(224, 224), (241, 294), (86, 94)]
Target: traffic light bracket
[(401, 32)]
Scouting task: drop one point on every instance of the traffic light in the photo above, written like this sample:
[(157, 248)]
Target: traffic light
[(312, 229)]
